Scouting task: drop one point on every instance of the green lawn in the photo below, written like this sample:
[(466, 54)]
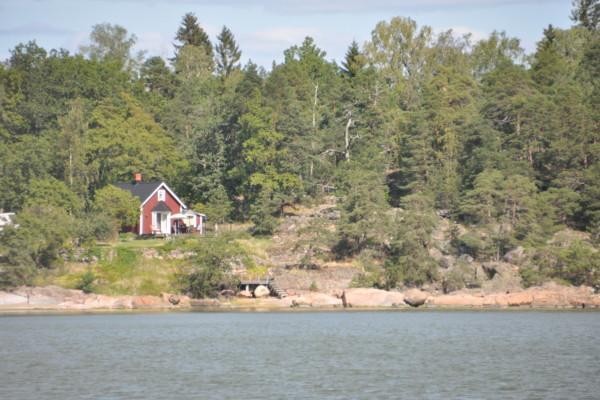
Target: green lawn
[(140, 243)]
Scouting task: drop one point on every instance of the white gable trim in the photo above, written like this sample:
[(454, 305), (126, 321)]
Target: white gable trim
[(141, 227), (169, 190)]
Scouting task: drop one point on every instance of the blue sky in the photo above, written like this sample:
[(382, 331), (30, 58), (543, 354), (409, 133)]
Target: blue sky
[(264, 28)]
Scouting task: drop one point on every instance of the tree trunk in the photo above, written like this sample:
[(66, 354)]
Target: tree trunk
[(347, 137)]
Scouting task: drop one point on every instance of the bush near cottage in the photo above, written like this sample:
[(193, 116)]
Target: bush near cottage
[(119, 204), (43, 235), (210, 269)]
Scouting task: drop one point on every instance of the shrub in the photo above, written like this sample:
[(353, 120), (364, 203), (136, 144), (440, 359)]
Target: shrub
[(210, 271), (469, 243), (86, 282), (531, 276), (577, 264), (96, 226), (119, 204), (262, 214)]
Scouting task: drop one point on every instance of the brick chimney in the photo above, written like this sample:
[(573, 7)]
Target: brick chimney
[(137, 177)]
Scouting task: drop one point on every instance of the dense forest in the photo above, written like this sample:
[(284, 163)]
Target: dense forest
[(411, 126)]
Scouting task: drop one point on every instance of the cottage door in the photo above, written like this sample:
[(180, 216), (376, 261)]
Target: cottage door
[(162, 222)]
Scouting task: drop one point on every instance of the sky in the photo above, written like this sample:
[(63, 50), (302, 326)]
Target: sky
[(265, 28)]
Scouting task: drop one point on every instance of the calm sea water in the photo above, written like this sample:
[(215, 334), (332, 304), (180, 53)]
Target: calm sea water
[(338, 355)]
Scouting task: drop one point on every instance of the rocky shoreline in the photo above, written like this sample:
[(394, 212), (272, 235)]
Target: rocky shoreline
[(56, 299)]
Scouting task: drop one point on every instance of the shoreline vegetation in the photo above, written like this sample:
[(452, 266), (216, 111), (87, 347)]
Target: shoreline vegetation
[(53, 299), (468, 170)]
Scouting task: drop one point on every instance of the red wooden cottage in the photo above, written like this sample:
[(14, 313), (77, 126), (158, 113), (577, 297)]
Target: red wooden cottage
[(161, 211)]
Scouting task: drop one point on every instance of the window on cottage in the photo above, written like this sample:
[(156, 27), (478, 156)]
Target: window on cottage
[(161, 195)]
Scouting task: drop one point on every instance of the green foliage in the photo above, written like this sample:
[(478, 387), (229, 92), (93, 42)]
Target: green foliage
[(218, 208), (42, 237), (111, 43), (460, 276), (93, 226), (228, 52), (211, 266), (86, 282), (409, 262), (262, 213), (190, 33), (52, 192), (265, 154), (372, 274), (577, 263), (586, 13), (354, 61), (481, 134), (120, 204), (124, 139), (365, 218)]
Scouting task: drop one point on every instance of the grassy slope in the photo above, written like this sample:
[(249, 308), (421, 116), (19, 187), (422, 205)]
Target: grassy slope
[(143, 266), (122, 268)]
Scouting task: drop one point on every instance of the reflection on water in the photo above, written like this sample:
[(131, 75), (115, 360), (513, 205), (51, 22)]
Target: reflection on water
[(356, 355)]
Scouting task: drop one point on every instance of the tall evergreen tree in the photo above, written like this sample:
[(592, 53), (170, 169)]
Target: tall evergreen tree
[(228, 52), (190, 33), (354, 61), (586, 13)]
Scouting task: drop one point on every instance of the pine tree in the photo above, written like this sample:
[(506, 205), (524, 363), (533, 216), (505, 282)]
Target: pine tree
[(228, 52), (354, 61), (190, 33), (586, 13)]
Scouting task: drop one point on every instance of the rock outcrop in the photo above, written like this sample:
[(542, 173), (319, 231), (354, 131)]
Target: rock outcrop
[(57, 298), (548, 296), (364, 297), (315, 299)]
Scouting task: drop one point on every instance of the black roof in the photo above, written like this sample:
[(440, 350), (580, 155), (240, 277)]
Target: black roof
[(142, 190), (161, 206)]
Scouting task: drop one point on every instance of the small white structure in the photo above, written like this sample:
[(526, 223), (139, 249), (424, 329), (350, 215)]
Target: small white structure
[(6, 219), (192, 221)]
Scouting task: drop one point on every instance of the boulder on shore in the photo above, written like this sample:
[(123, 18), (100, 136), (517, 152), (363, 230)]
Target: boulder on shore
[(261, 291), (415, 297)]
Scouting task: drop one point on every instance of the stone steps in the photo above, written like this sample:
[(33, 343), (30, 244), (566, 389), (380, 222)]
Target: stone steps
[(279, 292)]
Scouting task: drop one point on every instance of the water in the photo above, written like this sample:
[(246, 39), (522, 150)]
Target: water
[(340, 355)]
